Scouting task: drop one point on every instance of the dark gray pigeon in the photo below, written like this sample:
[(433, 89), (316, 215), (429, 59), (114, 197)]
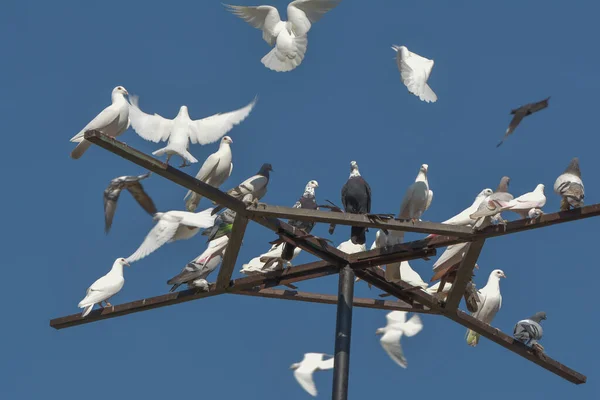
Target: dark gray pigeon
[(570, 186), (307, 202), (252, 189), (356, 199), (113, 191), (529, 331), (520, 113)]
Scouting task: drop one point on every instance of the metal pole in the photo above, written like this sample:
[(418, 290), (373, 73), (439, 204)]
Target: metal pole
[(343, 330)]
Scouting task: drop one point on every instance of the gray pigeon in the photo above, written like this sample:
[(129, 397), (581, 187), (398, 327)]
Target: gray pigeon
[(252, 189), (529, 331), (490, 208), (570, 186), (356, 199), (223, 225), (520, 113), (307, 202), (113, 191)]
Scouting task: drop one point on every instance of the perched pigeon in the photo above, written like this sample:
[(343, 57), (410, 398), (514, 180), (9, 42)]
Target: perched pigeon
[(490, 301), (464, 217), (414, 73), (523, 205), (198, 270), (104, 288), (382, 239), (349, 247), (356, 199), (269, 261), (397, 325), (112, 121), (529, 331), (520, 113), (303, 370), (449, 258), (491, 207), (570, 186), (307, 202), (252, 189), (133, 185), (289, 37), (223, 225), (417, 198), (181, 130), (214, 172), (170, 227)]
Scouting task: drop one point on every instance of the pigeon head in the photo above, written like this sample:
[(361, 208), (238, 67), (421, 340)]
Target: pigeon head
[(539, 316), (310, 187), (540, 187), (486, 192), (497, 273), (380, 331), (573, 168), (264, 170), (354, 169), (122, 262), (120, 90), (295, 366), (227, 140), (183, 111), (503, 186), (424, 168)]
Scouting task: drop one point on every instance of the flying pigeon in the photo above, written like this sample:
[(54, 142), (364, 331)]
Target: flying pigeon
[(214, 172), (520, 113), (252, 189), (417, 198), (490, 301), (133, 185), (414, 73), (170, 227), (307, 202), (570, 186), (356, 199), (104, 288), (112, 121), (491, 207), (223, 225), (181, 130), (529, 331), (303, 370), (397, 325), (269, 261), (196, 271), (289, 37), (523, 205)]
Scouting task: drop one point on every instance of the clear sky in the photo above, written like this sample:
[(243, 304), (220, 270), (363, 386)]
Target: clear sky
[(345, 102)]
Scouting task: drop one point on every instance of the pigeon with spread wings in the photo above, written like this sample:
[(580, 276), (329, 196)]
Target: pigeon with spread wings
[(520, 113), (303, 370), (113, 191), (397, 325), (414, 73)]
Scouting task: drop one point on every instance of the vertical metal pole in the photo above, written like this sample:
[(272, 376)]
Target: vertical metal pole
[(343, 330)]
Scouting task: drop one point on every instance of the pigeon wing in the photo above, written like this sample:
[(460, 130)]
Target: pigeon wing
[(161, 233), (138, 193), (265, 18), (390, 342), (211, 129), (303, 13), (150, 127)]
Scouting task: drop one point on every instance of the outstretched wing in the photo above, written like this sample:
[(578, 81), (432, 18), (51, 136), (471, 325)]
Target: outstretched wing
[(162, 232), (138, 193), (150, 127), (264, 18), (211, 129), (303, 13)]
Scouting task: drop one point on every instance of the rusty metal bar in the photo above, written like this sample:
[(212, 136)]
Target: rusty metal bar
[(463, 274), (231, 254)]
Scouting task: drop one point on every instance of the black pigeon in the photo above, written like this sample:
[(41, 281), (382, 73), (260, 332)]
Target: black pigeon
[(529, 331), (113, 191), (252, 189), (521, 113), (356, 199), (307, 202)]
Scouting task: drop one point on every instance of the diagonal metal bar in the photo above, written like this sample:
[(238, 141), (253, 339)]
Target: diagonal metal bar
[(233, 248), (463, 274), (332, 299), (337, 218)]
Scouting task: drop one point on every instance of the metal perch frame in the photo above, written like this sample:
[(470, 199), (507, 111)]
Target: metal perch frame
[(335, 261)]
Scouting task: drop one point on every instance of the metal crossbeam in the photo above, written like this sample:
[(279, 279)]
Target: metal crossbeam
[(233, 248), (463, 274)]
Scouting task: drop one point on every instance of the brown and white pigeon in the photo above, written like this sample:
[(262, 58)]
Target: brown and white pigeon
[(570, 186)]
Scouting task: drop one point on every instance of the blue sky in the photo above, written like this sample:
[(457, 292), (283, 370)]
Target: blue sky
[(345, 102)]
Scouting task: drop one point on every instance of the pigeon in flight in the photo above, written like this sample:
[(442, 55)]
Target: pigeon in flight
[(490, 208), (289, 37), (112, 121), (356, 199), (252, 189), (196, 271), (307, 202), (303, 370), (520, 113), (414, 73), (490, 301), (214, 172), (570, 186), (529, 331), (417, 198), (181, 130), (223, 225), (113, 191), (104, 288), (170, 227), (397, 325), (523, 205)]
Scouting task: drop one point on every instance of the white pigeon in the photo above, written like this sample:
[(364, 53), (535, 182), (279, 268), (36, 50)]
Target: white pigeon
[(414, 73), (392, 271), (570, 186), (214, 172), (112, 121), (417, 198), (196, 271), (349, 248), (289, 37), (104, 288), (303, 370), (490, 301), (397, 325), (522, 205), (181, 130), (269, 261), (463, 218), (170, 227), (450, 257)]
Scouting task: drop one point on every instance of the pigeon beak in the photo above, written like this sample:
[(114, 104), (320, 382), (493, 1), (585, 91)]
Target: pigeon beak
[(126, 263), (504, 276)]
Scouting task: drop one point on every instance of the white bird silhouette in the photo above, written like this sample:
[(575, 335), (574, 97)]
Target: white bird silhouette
[(303, 370)]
